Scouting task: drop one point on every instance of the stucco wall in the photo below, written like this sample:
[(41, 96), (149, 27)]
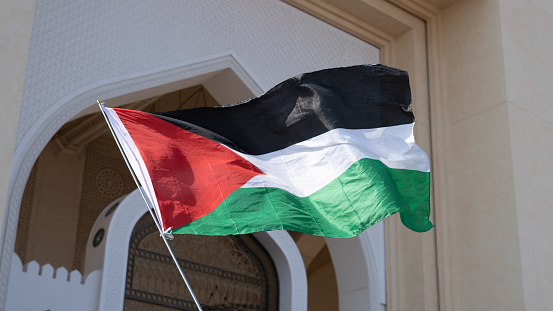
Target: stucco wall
[(497, 60)]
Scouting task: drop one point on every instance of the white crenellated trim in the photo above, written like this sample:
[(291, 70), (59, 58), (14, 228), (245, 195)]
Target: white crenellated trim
[(49, 288), (279, 244)]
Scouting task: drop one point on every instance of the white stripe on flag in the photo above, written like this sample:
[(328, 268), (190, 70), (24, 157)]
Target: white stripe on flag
[(306, 167)]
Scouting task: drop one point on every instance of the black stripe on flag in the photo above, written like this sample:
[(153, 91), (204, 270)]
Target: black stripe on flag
[(357, 97)]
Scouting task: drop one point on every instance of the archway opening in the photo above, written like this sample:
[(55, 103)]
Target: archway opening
[(77, 174)]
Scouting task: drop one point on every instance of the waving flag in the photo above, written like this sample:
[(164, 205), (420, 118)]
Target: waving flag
[(327, 153)]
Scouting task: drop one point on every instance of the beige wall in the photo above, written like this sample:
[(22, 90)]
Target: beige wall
[(16, 18), (527, 29), (497, 56), (495, 60), (485, 262)]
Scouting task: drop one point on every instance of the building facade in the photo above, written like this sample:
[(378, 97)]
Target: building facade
[(479, 78)]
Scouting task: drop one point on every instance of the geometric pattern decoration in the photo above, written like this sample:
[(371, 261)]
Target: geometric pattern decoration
[(225, 272)]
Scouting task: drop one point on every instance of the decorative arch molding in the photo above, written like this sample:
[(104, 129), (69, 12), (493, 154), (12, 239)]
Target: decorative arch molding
[(279, 244)]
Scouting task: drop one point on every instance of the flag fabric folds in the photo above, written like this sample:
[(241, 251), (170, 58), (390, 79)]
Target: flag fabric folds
[(327, 153)]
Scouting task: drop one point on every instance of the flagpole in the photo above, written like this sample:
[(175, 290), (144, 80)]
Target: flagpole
[(150, 208)]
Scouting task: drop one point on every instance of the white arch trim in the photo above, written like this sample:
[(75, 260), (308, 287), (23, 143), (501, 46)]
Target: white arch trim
[(292, 278), (360, 267), (279, 244)]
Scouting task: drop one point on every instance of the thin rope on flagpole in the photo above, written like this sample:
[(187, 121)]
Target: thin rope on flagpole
[(150, 209)]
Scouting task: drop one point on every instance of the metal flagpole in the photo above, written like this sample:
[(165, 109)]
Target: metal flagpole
[(150, 208)]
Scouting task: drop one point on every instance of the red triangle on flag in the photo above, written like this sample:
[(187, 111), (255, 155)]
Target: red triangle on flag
[(191, 174)]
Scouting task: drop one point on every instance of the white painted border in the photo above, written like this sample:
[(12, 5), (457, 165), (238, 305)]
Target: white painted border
[(279, 244), (292, 278)]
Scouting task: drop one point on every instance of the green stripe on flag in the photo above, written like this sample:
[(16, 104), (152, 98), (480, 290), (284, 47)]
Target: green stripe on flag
[(363, 195)]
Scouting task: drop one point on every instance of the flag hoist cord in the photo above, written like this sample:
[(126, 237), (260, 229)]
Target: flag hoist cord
[(150, 208)]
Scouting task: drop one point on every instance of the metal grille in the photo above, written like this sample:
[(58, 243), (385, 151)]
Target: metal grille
[(225, 272)]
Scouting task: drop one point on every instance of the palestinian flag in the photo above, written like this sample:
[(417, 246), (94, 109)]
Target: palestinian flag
[(327, 153)]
